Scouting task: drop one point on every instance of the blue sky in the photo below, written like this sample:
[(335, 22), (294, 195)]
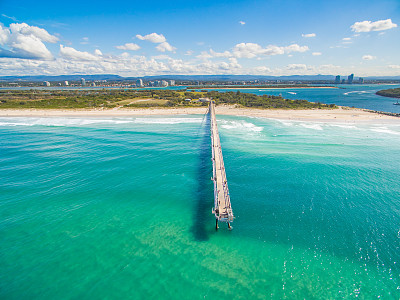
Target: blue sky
[(137, 38)]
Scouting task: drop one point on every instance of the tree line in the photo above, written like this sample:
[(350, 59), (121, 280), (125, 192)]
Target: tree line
[(110, 98)]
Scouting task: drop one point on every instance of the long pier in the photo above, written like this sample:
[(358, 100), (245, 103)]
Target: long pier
[(222, 201)]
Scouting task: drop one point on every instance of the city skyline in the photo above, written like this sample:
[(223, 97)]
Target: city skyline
[(241, 37)]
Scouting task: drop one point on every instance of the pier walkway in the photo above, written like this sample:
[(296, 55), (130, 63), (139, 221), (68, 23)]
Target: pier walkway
[(222, 202)]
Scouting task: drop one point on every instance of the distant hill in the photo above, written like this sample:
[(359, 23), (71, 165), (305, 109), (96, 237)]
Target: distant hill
[(111, 77)]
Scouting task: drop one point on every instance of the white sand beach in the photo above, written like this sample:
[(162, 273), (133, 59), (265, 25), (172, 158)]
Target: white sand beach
[(331, 115)]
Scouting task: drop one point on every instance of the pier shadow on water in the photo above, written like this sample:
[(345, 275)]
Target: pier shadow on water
[(204, 193)]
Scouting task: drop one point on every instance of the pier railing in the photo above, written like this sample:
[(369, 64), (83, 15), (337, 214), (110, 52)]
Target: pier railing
[(222, 202)]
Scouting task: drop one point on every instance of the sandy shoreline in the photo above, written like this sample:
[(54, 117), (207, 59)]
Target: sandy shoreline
[(328, 115), (347, 115)]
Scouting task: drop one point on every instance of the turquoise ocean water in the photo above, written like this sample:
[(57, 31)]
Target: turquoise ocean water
[(120, 208)]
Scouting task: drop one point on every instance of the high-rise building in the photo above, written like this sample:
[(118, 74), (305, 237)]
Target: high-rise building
[(46, 83), (139, 82), (343, 81), (83, 81), (66, 83), (93, 84), (164, 83), (361, 80), (350, 79), (337, 79), (172, 82)]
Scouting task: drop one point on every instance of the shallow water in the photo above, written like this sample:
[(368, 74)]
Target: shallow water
[(121, 208)]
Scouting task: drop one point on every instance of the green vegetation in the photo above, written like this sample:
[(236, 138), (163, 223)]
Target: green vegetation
[(64, 99), (111, 98), (265, 101), (250, 86), (394, 93)]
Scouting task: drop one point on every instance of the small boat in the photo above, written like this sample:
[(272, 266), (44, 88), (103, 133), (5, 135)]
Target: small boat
[(397, 103)]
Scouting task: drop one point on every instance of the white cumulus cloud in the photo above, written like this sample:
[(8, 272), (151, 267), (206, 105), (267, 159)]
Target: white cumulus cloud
[(295, 48), (309, 35), (128, 46), (261, 70), (204, 55), (247, 50), (126, 65), (368, 57), (159, 39), (161, 57), (296, 67), (73, 54), (316, 53), (40, 33), (165, 46), (220, 54), (4, 35), (23, 41), (152, 37), (242, 22), (367, 26), (251, 50)]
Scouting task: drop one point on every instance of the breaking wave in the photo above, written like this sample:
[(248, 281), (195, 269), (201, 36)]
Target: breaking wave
[(241, 126)]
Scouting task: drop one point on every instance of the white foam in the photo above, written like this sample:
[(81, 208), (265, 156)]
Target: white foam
[(367, 92), (358, 92), (343, 126), (23, 121), (316, 126), (284, 122), (352, 92), (14, 124), (241, 126), (58, 122), (167, 120), (385, 130), (311, 126)]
